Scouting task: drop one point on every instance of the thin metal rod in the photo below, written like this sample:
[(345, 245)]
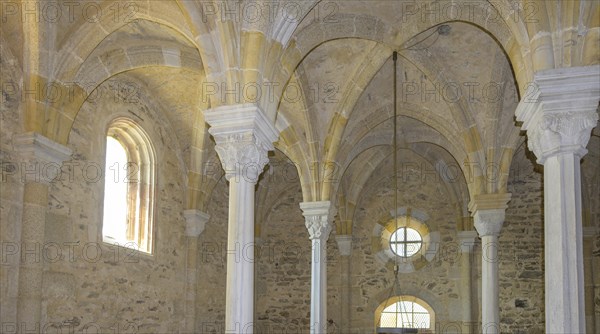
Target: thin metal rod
[(395, 58), (395, 175)]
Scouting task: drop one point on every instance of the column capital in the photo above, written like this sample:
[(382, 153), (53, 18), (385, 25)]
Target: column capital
[(244, 137), (195, 222), (344, 243), (45, 154), (559, 111), (467, 240), (317, 219), (489, 211)]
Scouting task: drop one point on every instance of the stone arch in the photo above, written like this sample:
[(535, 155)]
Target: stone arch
[(373, 156), (87, 37)]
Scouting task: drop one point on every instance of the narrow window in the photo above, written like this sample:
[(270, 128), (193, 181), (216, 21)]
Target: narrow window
[(128, 187)]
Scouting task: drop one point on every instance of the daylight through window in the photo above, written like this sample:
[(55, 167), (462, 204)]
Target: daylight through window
[(128, 187)]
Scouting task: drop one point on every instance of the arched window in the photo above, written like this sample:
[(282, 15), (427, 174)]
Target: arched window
[(129, 180), (407, 312)]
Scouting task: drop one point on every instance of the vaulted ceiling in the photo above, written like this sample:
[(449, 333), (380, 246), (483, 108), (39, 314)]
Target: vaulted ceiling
[(460, 77)]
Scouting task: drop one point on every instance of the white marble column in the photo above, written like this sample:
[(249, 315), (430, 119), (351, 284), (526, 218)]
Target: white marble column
[(195, 221), (244, 136), (318, 222), (488, 214), (344, 243), (559, 116), (41, 162), (467, 240)]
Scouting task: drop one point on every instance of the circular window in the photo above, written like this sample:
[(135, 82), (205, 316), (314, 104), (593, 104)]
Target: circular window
[(405, 242)]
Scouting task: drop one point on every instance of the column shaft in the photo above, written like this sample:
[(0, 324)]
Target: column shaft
[(563, 239), (318, 304), (239, 311), (345, 297), (243, 136), (489, 211), (559, 119), (43, 158), (467, 242), (35, 203), (317, 220), (191, 283), (490, 311)]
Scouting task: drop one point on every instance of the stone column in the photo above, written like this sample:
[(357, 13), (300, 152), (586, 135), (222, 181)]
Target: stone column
[(41, 163), (488, 212), (318, 222), (559, 116), (195, 221), (344, 243), (467, 241), (244, 136)]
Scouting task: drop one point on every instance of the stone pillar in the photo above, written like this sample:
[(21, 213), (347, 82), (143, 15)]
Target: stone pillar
[(195, 221), (41, 163), (467, 241), (244, 136), (344, 243), (488, 212), (318, 222), (559, 117)]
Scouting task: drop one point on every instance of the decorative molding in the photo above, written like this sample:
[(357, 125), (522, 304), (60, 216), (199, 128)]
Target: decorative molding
[(489, 202), (195, 222), (244, 137), (44, 156), (318, 217), (560, 110), (344, 243), (33, 147)]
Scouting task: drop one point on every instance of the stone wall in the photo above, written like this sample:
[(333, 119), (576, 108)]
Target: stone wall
[(371, 280), (100, 286), (283, 264), (212, 264), (521, 252), (11, 187)]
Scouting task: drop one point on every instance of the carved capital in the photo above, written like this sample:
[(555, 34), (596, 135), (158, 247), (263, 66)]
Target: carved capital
[(560, 111), (41, 157), (489, 222), (467, 240), (489, 211), (317, 217), (195, 222), (244, 137), (242, 155)]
